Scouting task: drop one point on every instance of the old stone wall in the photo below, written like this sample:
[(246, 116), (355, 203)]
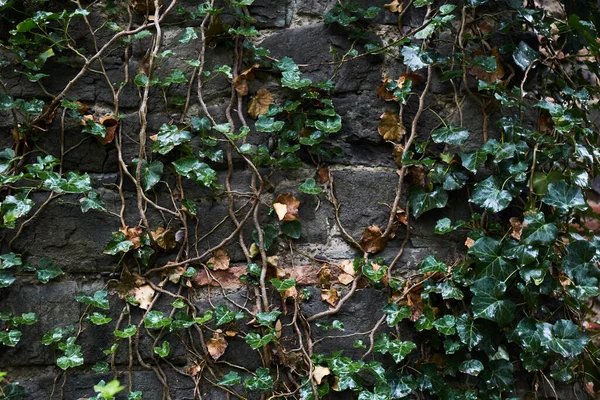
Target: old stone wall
[(363, 176)]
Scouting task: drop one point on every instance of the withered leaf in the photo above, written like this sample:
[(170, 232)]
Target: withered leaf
[(330, 295), (291, 205), (164, 238), (398, 153), (347, 276), (260, 103), (216, 346), (469, 242), (220, 260), (390, 127), (372, 240), (394, 6), (176, 273), (324, 275), (143, 295), (319, 373), (110, 123), (323, 173), (240, 82), (132, 234), (517, 228)]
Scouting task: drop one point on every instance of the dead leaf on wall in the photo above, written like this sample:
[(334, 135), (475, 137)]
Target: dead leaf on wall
[(132, 234), (164, 238), (516, 228), (347, 276), (260, 103), (291, 205), (390, 127), (110, 123), (240, 82), (395, 6), (319, 373), (216, 346), (372, 240), (144, 296), (331, 296), (220, 260)]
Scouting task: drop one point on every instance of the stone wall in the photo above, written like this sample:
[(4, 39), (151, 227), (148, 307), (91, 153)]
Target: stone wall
[(364, 180)]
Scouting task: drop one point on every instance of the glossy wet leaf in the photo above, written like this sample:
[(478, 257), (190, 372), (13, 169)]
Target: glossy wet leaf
[(468, 333), (537, 231), (230, 379), (168, 137), (524, 55), (395, 314), (564, 338), (92, 201), (398, 349), (150, 173), (488, 302), (564, 197), (156, 320), (163, 350), (450, 134), (471, 367), (422, 201), (490, 195), (262, 381)]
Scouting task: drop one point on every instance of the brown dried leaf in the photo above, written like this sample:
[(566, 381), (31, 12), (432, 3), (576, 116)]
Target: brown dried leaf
[(240, 82), (291, 204), (143, 295), (345, 279), (280, 210), (193, 370), (325, 275), (278, 329), (517, 228), (260, 103), (401, 216), (415, 302), (132, 234), (372, 240), (176, 273), (290, 293), (469, 242), (319, 373), (391, 128), (323, 173), (416, 79), (216, 346), (164, 238), (330, 295), (394, 6), (110, 123), (220, 260), (253, 250)]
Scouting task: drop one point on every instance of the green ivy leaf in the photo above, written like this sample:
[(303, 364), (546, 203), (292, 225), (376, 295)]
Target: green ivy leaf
[(468, 333), (101, 367), (292, 229), (268, 124), (14, 207), (537, 232), (267, 318), (432, 265), (269, 235), (564, 338), (471, 367), (151, 173), (396, 348), (283, 285), (92, 201), (490, 195), (564, 197), (156, 320), (488, 252), (394, 314), (126, 333), (488, 303), (99, 299), (95, 129), (194, 169), (163, 350), (47, 270), (72, 356), (524, 55), (232, 378), (10, 338), (118, 244), (445, 325), (256, 341), (224, 316), (422, 201), (99, 319), (425, 322), (373, 273), (168, 137), (499, 375), (472, 161), (413, 58), (450, 134), (310, 187), (205, 318), (262, 381), (10, 260), (527, 335), (330, 125), (189, 35)]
